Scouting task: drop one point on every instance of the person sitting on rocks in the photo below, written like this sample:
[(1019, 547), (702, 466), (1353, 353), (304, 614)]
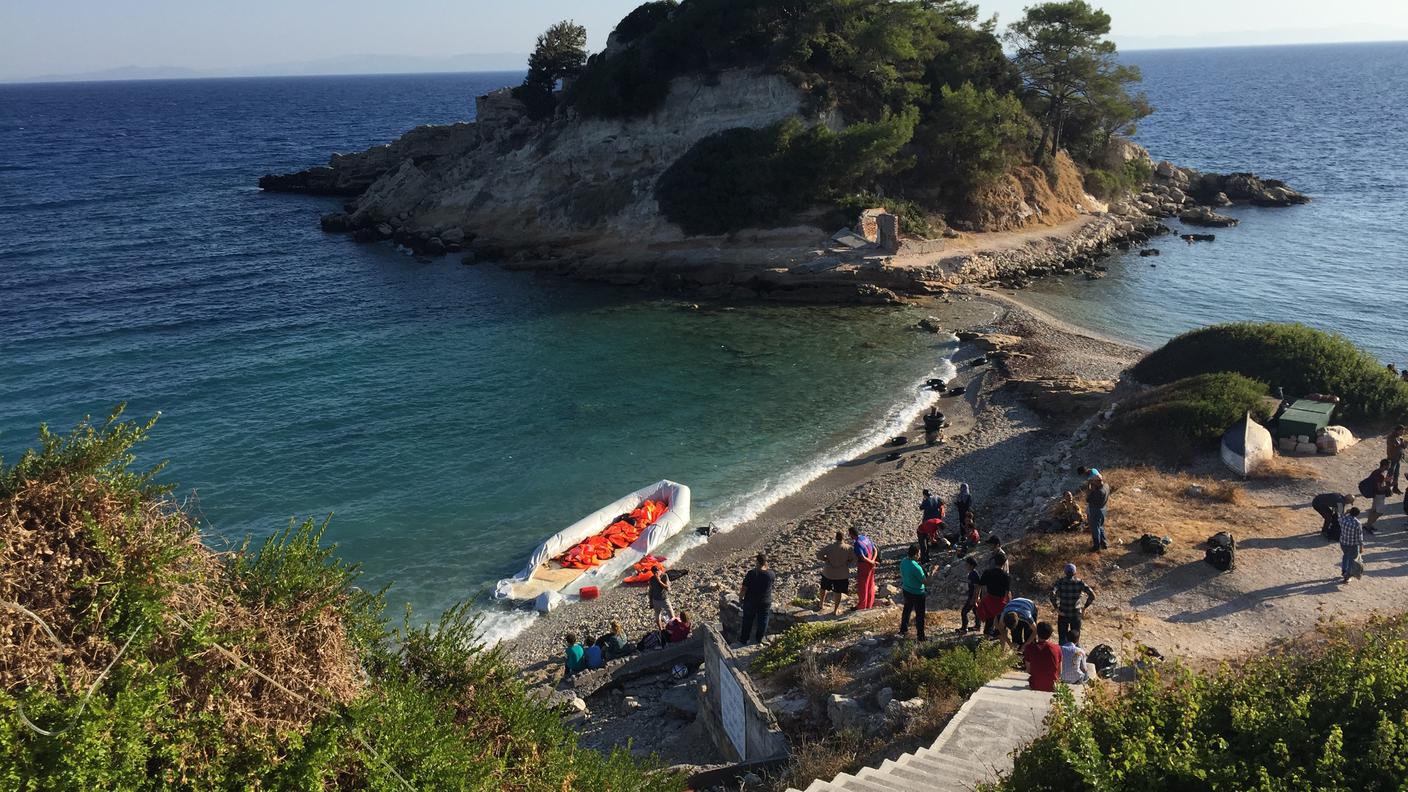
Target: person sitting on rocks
[(678, 628), (614, 643), (573, 662), (592, 656), (1074, 670), (1018, 621), (1043, 659), (1066, 513)]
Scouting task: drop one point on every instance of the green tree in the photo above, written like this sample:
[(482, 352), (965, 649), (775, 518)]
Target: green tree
[(561, 52), (972, 137), (1071, 74)]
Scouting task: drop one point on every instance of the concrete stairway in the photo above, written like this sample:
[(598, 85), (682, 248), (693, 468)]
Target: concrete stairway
[(974, 747)]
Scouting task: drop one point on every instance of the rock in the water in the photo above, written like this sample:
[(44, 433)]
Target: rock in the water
[(1205, 216), (1149, 252), (931, 324), (333, 222)]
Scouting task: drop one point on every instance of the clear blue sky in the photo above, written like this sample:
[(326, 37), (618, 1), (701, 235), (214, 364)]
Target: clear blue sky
[(65, 36)]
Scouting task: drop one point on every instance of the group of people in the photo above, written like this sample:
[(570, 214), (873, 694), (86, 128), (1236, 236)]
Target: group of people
[(1344, 522), (594, 653)]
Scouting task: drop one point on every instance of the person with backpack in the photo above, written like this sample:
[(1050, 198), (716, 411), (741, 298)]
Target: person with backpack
[(1330, 506), (755, 595), (913, 578), (1097, 499), (1377, 488), (1397, 442), (1351, 543), (1065, 597)]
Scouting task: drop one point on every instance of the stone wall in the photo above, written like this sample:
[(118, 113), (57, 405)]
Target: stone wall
[(731, 709)]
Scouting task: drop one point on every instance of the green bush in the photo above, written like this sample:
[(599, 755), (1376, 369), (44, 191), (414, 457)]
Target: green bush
[(913, 219), (757, 178), (1294, 357), (1190, 412), (971, 137), (353, 705), (960, 670), (1328, 714), (1108, 185), (786, 649)]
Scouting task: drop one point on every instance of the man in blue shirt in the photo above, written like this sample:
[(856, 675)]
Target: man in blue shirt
[(912, 581)]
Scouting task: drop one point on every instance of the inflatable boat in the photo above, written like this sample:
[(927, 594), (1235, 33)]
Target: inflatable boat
[(600, 549)]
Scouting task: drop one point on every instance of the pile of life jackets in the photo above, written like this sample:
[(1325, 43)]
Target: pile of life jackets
[(620, 533), (645, 570)]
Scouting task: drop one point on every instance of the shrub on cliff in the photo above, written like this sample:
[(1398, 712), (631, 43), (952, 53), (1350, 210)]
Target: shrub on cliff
[(1188, 413), (132, 657), (1327, 714), (1300, 359), (758, 178)]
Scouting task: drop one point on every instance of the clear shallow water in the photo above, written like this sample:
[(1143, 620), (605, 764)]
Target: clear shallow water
[(448, 416), (1332, 121)]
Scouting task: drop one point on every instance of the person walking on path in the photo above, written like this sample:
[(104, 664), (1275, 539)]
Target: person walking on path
[(1377, 486), (1097, 499), (755, 595), (1065, 597), (1043, 659), (970, 601), (867, 557), (836, 560), (1397, 442), (912, 581), (963, 504), (1330, 506), (660, 597), (1351, 543), (996, 586)]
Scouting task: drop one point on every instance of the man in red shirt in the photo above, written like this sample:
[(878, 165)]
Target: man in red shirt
[(1043, 659)]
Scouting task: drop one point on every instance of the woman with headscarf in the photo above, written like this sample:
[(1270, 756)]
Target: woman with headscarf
[(963, 503), (867, 557)]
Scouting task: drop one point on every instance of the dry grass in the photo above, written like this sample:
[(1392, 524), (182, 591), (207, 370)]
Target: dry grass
[(823, 758), (819, 680), (83, 560), (1282, 468)]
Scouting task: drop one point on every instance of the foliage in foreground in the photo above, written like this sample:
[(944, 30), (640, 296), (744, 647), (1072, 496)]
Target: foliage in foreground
[(1191, 412), (957, 670), (169, 667), (1295, 357), (1330, 714)]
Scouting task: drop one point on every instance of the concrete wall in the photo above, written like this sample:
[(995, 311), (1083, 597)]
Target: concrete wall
[(731, 709)]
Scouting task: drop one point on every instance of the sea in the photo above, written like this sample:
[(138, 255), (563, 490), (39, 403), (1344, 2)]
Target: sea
[(446, 417)]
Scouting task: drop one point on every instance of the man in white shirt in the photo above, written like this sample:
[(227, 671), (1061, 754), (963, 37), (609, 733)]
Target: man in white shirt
[(1073, 668)]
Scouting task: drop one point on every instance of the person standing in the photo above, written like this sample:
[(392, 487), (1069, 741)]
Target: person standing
[(932, 511), (1351, 542), (1330, 506), (836, 561), (1097, 498), (1043, 659), (1065, 597), (912, 582), (1397, 441), (756, 597), (660, 597), (996, 586), (867, 557), (963, 504), (970, 601)]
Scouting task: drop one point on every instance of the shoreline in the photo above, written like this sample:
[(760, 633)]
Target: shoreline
[(994, 437)]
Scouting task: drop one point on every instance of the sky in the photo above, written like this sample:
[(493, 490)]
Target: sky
[(48, 37)]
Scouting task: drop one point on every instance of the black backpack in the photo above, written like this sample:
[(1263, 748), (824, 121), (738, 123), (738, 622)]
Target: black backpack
[(1222, 551), (1104, 659), (1369, 487), (1152, 544), (1331, 530)]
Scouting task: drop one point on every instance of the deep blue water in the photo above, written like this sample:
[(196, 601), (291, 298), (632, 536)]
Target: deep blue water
[(1332, 120), (448, 416)]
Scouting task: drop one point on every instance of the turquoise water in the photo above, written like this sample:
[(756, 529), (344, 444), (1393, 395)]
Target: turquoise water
[(1331, 120), (449, 417)]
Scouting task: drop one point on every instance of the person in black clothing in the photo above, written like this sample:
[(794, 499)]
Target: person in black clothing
[(996, 586), (1330, 505), (970, 600), (755, 595)]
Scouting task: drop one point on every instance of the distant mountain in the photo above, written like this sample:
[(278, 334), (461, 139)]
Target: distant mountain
[(343, 64)]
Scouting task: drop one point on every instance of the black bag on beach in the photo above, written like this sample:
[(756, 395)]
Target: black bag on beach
[(1331, 531), (1369, 486), (1222, 551), (1152, 544), (1104, 659)]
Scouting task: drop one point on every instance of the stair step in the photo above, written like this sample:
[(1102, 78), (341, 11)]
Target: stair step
[(909, 773), (874, 775), (846, 781)]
